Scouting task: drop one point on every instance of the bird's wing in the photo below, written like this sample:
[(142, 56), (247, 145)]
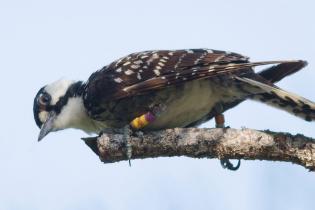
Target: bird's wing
[(143, 72)]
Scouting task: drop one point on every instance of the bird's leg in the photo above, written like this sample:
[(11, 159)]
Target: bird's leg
[(126, 132), (139, 123), (220, 123), (147, 118), (218, 116)]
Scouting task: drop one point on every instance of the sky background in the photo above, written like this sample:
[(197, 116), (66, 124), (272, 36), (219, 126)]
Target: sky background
[(42, 41)]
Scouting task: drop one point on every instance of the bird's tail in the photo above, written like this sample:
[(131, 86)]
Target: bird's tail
[(276, 73), (282, 99)]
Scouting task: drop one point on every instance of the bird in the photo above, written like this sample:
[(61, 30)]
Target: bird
[(161, 89)]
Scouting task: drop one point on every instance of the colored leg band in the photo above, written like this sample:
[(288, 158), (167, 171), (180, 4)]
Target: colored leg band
[(142, 121)]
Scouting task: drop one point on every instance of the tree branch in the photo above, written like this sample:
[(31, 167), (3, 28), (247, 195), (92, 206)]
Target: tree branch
[(208, 143)]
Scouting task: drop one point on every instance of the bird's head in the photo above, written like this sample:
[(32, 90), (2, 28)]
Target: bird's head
[(50, 102)]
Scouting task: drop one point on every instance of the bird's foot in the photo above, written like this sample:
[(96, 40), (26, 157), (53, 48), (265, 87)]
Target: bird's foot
[(138, 123), (126, 132), (225, 163)]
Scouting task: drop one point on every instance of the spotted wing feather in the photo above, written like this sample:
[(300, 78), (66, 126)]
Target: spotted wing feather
[(140, 73), (194, 73), (146, 71)]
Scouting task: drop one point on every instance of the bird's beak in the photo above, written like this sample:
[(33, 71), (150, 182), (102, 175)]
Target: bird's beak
[(48, 126)]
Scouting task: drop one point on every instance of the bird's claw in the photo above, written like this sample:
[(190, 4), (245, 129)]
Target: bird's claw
[(226, 163), (126, 132), (126, 137)]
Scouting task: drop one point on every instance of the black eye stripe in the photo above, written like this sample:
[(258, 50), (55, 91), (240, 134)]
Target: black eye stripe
[(74, 90), (50, 108)]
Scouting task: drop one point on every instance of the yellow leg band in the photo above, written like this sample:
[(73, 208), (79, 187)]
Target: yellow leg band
[(139, 122)]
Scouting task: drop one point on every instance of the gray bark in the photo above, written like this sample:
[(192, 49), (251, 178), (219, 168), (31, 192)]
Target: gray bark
[(208, 143)]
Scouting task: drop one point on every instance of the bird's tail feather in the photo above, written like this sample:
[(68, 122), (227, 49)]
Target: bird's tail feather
[(282, 99), (277, 72)]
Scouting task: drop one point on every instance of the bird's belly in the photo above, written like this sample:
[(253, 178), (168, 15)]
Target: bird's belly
[(187, 105)]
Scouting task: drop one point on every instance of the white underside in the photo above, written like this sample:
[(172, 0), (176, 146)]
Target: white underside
[(195, 102)]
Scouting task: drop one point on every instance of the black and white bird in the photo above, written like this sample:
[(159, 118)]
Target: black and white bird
[(155, 90)]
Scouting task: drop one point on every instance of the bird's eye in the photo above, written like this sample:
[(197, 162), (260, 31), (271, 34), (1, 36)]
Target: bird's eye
[(44, 99)]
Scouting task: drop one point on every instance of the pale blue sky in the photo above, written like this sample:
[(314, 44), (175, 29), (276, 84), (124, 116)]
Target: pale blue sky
[(42, 41)]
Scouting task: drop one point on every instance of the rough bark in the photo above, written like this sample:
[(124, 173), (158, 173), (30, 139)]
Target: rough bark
[(208, 143)]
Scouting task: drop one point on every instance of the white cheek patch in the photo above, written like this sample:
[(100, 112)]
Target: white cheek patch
[(43, 116), (73, 115)]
